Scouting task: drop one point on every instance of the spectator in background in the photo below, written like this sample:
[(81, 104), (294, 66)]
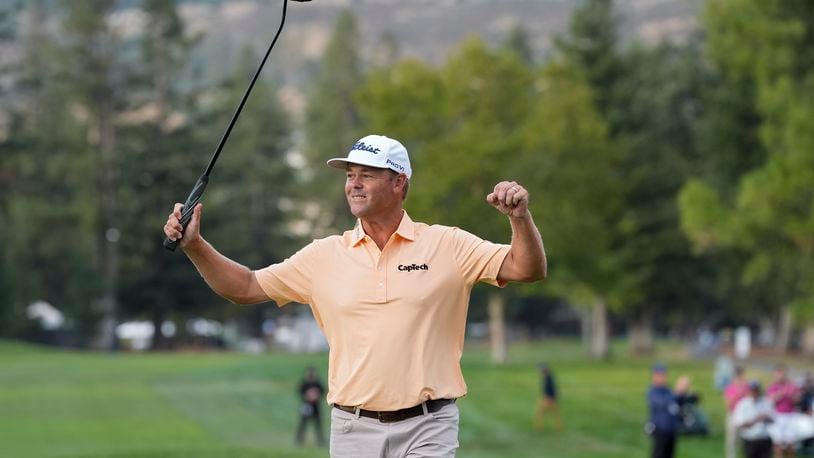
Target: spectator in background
[(311, 392), (807, 394), (751, 418), (724, 372), (784, 394), (663, 408), (807, 407), (737, 389), (548, 401)]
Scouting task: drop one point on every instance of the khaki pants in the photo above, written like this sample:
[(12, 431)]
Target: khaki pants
[(730, 437), (431, 435)]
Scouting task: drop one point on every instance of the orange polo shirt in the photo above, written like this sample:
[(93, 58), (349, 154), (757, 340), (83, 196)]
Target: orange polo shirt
[(394, 319)]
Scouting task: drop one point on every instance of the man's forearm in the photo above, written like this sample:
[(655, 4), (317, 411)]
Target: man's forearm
[(227, 278), (527, 248)]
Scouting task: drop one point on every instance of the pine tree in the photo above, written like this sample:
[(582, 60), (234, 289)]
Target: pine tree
[(332, 122)]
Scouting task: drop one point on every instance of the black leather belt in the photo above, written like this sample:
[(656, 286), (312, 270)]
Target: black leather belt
[(433, 405)]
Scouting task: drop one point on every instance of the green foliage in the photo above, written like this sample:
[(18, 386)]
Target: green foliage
[(332, 120), (255, 175), (487, 116), (574, 168), (106, 135), (768, 45), (592, 45), (460, 123)]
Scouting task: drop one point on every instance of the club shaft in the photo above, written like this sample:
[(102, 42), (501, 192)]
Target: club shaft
[(245, 96)]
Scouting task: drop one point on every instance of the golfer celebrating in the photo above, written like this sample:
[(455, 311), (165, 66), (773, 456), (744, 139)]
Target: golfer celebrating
[(391, 296)]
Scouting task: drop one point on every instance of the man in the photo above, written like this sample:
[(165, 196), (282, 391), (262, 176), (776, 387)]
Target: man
[(785, 395), (311, 391), (548, 401), (751, 418), (391, 297), (736, 390), (663, 408)]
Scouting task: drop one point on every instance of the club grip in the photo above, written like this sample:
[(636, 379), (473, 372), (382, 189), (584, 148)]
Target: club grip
[(188, 208)]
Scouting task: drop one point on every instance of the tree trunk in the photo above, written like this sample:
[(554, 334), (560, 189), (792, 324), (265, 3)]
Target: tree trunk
[(159, 342), (585, 329), (641, 335), (784, 329), (599, 331), (497, 326), (808, 341), (108, 231)]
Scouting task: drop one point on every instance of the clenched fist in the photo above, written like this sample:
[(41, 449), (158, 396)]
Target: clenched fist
[(509, 198)]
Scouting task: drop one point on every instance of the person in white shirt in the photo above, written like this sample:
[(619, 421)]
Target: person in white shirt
[(752, 416)]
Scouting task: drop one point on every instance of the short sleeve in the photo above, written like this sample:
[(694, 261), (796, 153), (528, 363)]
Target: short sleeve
[(478, 259), (739, 414), (290, 280)]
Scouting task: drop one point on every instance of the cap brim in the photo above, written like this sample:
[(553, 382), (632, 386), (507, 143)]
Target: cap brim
[(338, 163), (342, 163)]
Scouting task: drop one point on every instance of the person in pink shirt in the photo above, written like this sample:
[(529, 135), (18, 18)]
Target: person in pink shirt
[(784, 394), (737, 389)]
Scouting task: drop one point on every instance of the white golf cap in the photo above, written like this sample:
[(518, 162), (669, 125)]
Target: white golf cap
[(376, 151)]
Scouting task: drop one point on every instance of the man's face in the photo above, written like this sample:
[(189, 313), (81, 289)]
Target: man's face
[(659, 378), (371, 191)]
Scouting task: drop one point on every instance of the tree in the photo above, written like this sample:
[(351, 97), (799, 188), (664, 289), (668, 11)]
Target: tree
[(160, 155), (461, 119), (592, 44), (332, 121), (95, 78), (658, 107), (575, 168), (591, 48), (258, 182), (770, 45), (45, 187), (518, 41), (484, 116)]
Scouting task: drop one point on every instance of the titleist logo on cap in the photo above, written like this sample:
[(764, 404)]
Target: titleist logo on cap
[(361, 146)]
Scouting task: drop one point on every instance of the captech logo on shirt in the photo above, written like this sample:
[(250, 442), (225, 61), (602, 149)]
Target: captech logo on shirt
[(412, 267), (361, 146)]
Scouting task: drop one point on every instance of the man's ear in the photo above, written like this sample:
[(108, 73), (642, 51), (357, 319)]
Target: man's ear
[(400, 180)]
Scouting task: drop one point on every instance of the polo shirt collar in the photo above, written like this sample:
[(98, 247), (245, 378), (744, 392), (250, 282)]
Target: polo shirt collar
[(406, 230)]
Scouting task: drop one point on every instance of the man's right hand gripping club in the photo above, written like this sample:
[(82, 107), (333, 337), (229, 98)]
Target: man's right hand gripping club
[(229, 279), (175, 231)]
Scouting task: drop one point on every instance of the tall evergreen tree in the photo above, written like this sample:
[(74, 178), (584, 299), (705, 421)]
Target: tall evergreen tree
[(250, 215), (332, 121), (591, 46), (45, 185), (160, 156), (95, 77)]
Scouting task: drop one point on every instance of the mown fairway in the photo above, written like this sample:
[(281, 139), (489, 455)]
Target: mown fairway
[(65, 404)]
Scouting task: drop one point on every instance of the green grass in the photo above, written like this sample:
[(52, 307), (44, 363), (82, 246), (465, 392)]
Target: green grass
[(67, 404)]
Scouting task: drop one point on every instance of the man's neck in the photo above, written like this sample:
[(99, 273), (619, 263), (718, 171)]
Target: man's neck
[(381, 228)]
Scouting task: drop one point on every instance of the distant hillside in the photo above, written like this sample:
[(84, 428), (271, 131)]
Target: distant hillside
[(424, 29)]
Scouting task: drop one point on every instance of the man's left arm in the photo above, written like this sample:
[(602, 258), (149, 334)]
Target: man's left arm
[(526, 260)]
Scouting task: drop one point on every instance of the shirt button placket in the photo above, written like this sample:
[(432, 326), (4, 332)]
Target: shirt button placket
[(381, 279)]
